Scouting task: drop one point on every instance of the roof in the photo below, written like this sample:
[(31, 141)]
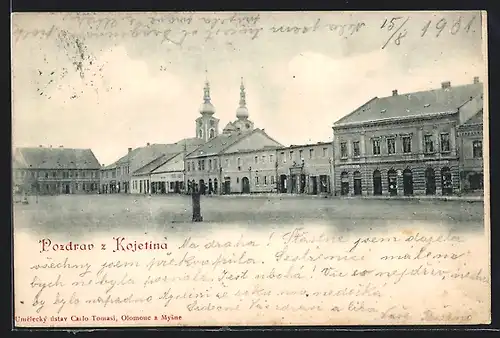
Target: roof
[(55, 158), (219, 143), (139, 157), (307, 145), (156, 163), (475, 120), (413, 104)]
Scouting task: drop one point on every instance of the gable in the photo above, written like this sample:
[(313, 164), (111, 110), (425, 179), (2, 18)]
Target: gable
[(174, 164), (252, 141)]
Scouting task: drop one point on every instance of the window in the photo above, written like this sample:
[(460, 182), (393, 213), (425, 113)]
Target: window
[(477, 149), (391, 145), (265, 180), (188, 166), (272, 180), (209, 164), (406, 144), (283, 156), (376, 147), (343, 150), (256, 159), (54, 174), (199, 164), (46, 175), (291, 155), (211, 133), (270, 158), (172, 185), (239, 162), (256, 180), (445, 142), (311, 153), (355, 148), (263, 158), (227, 162), (429, 144), (301, 156), (202, 164), (325, 152), (215, 163)]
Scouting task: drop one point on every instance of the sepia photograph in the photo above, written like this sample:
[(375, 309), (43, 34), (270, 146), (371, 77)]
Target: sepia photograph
[(250, 168)]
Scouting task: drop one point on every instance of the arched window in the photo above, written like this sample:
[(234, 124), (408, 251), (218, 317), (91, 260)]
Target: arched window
[(211, 133)]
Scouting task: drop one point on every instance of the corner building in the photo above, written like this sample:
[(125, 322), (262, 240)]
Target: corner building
[(404, 144)]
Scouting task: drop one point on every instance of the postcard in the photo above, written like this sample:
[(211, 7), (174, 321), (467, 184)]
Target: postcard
[(250, 168)]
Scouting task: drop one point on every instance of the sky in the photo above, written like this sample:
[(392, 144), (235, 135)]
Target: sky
[(110, 81)]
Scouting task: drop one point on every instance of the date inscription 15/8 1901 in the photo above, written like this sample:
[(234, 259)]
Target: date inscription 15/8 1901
[(396, 26)]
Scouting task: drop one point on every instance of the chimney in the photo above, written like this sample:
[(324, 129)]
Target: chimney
[(445, 85), (129, 150), (102, 165), (147, 144), (40, 146), (61, 146), (395, 92), (476, 79), (50, 146)]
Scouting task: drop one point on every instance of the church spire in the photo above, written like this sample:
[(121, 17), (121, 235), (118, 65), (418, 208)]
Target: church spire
[(206, 90), (207, 107), (242, 111), (242, 94)]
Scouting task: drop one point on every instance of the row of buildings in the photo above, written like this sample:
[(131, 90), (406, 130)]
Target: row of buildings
[(421, 143)]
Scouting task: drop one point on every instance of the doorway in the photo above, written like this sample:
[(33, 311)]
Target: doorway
[(392, 180), (446, 181), (283, 183), (344, 183), (407, 182), (302, 183), (293, 187), (66, 188), (377, 183), (227, 185), (357, 183), (475, 181), (215, 185), (210, 186), (314, 185), (245, 185), (430, 181)]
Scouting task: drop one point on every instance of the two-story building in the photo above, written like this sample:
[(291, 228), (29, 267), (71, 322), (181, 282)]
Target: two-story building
[(234, 162), (404, 144), (305, 169), (470, 145), (51, 171)]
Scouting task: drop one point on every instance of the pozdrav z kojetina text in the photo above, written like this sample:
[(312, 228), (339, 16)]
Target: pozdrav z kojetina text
[(117, 244)]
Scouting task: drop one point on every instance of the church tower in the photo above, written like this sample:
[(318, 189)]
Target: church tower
[(243, 123), (207, 126)]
